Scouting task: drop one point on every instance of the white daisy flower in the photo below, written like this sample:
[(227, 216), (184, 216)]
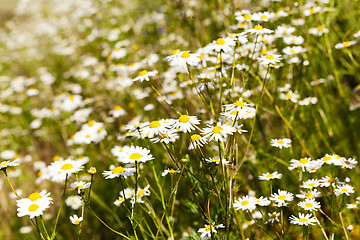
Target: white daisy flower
[(196, 141), (345, 44), (170, 171), (344, 189), (75, 219), (281, 197), (302, 219), (309, 204), (268, 176), (209, 230), (118, 171), (280, 143), (218, 132), (245, 203), (186, 123), (145, 75), (79, 186)]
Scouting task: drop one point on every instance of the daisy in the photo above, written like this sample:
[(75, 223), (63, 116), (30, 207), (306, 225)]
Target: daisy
[(65, 167), (269, 59), (135, 154), (308, 101), (318, 31), (170, 171), (351, 205), (309, 204), (196, 141), (74, 202), (313, 193), (144, 75), (217, 161), (186, 123), (223, 44), (330, 159), (182, 59), (34, 205), (280, 143), (117, 112), (155, 127), (296, 40), (209, 230), (143, 191), (327, 181), (79, 186), (218, 132), (311, 183), (118, 171), (273, 217), (268, 176), (345, 44), (245, 203), (281, 197), (258, 29), (344, 189), (346, 163), (75, 219), (262, 201), (5, 164), (302, 219), (303, 163), (170, 135), (289, 96)]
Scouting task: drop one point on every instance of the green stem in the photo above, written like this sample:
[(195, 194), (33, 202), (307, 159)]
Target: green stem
[(62, 203)]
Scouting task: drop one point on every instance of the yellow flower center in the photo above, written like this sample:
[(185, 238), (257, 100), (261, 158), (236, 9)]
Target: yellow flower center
[(309, 194), (176, 51), (247, 17), (135, 156), (331, 180), (185, 55), (184, 118), (312, 10), (282, 197), (258, 27), (344, 190), (67, 166), (280, 142), (244, 203), (195, 137), (141, 192), (72, 97), (269, 57), (288, 95), (34, 196), (208, 228), (3, 164), (320, 28), (292, 51), (346, 44), (172, 171), (239, 104), (263, 17), (118, 170), (220, 41), (270, 175), (309, 205), (327, 158), (217, 129), (311, 184), (143, 72), (154, 124), (77, 222), (303, 160), (233, 112), (91, 123), (33, 207), (303, 220)]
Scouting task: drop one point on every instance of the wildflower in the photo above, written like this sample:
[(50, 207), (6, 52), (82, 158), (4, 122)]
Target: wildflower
[(318, 31), (118, 171), (74, 202), (208, 230), (330, 159), (65, 167), (186, 123), (258, 29), (218, 132), (262, 201), (346, 163), (245, 203), (182, 59), (135, 154), (302, 219), (327, 181), (311, 183), (75, 219), (143, 191), (296, 40), (308, 101), (344, 44), (281, 197), (170, 171), (144, 75), (344, 189), (290, 96), (155, 127), (79, 186), (34, 205), (5, 164), (25, 229), (280, 143), (269, 59), (309, 204), (117, 112), (304, 162), (351, 205), (273, 217), (268, 176), (169, 135), (217, 161), (223, 44), (196, 141), (313, 193), (92, 170)]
